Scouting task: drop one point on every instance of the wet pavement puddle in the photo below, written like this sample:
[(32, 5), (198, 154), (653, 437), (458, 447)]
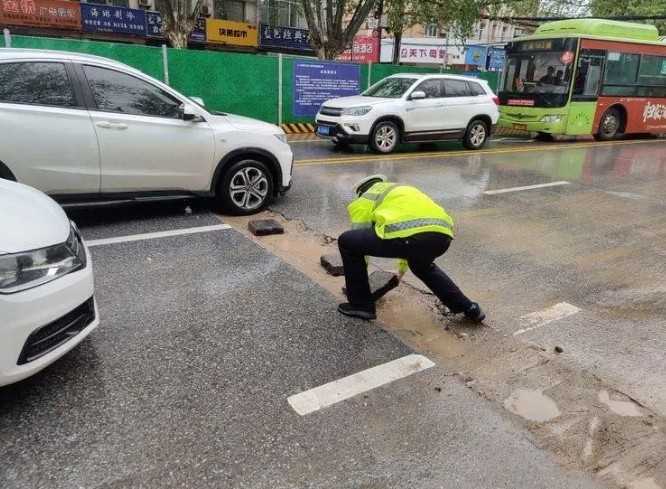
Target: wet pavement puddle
[(621, 408), (532, 405)]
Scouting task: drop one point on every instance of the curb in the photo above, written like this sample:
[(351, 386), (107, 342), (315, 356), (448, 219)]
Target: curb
[(298, 128)]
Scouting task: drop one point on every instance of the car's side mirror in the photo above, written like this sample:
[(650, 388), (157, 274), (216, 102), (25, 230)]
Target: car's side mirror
[(189, 115), (417, 95)]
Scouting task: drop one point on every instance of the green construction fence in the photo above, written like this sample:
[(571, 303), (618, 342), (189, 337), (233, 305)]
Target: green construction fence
[(240, 83)]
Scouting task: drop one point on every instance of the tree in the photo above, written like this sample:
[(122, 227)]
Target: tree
[(399, 17), (179, 17), (609, 8), (457, 17), (330, 35)]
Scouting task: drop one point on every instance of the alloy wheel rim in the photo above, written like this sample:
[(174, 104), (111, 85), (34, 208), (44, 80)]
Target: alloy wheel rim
[(248, 188), (477, 135), (610, 124), (385, 138)]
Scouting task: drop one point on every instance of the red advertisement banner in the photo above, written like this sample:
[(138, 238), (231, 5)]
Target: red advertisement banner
[(58, 14)]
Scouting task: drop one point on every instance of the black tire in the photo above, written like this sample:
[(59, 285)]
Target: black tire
[(476, 135), (610, 125), (544, 137), (340, 145), (385, 137), (245, 188)]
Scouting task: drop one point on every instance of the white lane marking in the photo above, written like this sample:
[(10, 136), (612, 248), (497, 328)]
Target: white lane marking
[(527, 187), (325, 395), (539, 319), (158, 234)]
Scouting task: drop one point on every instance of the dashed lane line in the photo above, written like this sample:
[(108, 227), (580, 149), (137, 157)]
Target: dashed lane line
[(526, 187), (156, 235), (539, 319), (326, 395), (455, 154)]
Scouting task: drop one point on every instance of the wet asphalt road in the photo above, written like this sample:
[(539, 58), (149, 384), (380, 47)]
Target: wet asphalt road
[(185, 384), (204, 337), (596, 243)]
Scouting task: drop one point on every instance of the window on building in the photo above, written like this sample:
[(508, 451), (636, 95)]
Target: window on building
[(36, 83), (118, 92), (482, 28), (229, 10), (115, 3), (284, 13), (431, 30)]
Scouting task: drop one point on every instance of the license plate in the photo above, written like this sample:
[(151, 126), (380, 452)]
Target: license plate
[(323, 130), (521, 127)]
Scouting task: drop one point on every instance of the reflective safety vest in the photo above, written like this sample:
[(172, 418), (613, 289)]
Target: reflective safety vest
[(398, 211)]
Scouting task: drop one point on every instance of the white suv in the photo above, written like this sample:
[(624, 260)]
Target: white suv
[(412, 109), (82, 127)]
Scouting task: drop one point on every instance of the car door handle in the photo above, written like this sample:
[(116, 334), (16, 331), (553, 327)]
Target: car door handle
[(111, 125)]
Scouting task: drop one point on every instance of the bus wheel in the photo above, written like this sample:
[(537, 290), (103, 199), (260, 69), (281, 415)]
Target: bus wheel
[(609, 125)]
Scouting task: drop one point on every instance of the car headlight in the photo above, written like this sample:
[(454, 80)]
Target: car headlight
[(356, 111), (281, 137), (21, 271), (551, 119)]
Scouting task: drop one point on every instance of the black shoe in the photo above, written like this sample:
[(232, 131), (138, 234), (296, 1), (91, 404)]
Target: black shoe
[(367, 312), (475, 313)]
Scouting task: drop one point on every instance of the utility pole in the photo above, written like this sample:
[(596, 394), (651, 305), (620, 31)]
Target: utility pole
[(379, 13)]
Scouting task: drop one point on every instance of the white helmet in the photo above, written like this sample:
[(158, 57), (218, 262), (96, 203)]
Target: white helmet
[(364, 184)]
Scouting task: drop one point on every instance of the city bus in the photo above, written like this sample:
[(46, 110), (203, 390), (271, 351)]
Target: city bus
[(585, 77)]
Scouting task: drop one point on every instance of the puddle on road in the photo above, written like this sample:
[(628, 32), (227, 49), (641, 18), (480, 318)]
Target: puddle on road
[(621, 408), (532, 405), (648, 483)]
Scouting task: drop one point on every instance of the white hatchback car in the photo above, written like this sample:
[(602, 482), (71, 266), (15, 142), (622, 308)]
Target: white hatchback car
[(86, 128), (412, 109), (47, 303)]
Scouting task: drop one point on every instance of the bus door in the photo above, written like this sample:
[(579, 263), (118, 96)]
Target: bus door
[(586, 84)]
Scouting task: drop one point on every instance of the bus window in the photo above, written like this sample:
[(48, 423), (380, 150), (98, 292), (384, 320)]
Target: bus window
[(621, 68), (652, 71), (588, 74)]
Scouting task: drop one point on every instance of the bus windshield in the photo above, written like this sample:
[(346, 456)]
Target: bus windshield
[(539, 72)]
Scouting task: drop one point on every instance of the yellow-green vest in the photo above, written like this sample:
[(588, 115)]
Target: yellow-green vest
[(398, 211)]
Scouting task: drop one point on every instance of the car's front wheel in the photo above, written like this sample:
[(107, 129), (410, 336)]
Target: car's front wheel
[(246, 188), (476, 135), (385, 137)]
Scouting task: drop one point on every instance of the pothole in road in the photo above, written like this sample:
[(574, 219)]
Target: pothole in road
[(533, 405), (586, 423)]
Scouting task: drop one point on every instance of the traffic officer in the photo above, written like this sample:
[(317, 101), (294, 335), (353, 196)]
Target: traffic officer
[(390, 220)]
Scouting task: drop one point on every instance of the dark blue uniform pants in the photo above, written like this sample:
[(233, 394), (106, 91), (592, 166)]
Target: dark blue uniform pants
[(420, 252)]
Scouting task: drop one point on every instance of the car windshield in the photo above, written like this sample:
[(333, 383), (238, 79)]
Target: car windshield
[(390, 87)]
